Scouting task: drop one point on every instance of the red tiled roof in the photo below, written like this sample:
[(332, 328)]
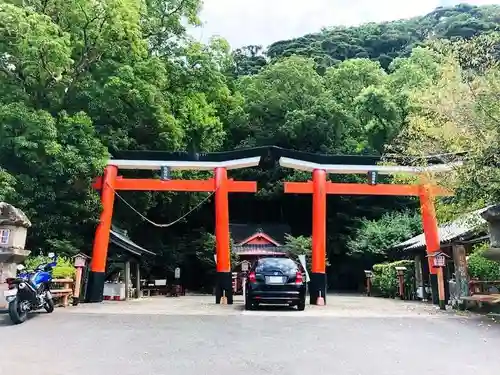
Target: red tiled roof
[(259, 235)]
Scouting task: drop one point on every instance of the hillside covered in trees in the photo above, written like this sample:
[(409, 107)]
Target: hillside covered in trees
[(381, 42), (80, 80)]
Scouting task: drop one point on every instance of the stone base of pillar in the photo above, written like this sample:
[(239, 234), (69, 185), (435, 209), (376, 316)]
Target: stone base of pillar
[(317, 287), (433, 278), (442, 305), (224, 286), (95, 286)]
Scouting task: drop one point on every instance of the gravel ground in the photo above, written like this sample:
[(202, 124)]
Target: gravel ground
[(192, 336)]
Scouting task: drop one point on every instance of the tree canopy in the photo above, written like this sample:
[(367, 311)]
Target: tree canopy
[(375, 237)]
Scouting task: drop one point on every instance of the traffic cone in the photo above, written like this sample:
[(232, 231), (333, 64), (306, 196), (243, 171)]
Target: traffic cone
[(223, 299), (320, 301)]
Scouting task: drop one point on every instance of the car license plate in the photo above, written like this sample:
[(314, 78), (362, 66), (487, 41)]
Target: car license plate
[(275, 280), (10, 292)]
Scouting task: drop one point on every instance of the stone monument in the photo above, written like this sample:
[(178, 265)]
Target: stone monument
[(492, 216), (13, 229)]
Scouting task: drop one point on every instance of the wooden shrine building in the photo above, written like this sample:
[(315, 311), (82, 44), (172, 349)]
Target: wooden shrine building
[(252, 241), (120, 284)]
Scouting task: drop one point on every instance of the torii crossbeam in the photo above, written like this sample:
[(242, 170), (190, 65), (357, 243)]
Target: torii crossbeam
[(219, 184)]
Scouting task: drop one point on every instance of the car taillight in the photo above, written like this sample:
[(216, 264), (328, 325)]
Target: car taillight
[(251, 277), (299, 279)]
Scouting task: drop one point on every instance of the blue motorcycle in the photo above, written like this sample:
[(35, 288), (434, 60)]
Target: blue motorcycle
[(30, 291)]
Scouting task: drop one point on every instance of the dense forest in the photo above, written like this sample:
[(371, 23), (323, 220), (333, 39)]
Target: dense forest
[(81, 79), (383, 42)]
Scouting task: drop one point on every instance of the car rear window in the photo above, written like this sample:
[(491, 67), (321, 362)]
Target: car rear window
[(283, 264)]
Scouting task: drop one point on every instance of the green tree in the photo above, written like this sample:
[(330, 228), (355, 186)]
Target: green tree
[(378, 112), (80, 78), (375, 115), (454, 112), (360, 73), (248, 60), (52, 161), (6, 185), (375, 237), (299, 245)]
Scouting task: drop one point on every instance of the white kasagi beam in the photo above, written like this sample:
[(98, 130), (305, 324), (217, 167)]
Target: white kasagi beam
[(184, 165), (363, 169)]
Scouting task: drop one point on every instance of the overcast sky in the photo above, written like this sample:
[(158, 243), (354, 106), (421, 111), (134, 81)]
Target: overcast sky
[(244, 22)]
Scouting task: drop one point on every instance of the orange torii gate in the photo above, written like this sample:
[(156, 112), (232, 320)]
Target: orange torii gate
[(219, 184), (319, 187)]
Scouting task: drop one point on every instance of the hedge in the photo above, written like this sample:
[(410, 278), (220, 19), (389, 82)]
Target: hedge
[(481, 268), (385, 279)]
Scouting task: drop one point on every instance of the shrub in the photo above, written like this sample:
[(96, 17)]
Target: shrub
[(385, 278), (300, 245), (481, 268), (63, 269)]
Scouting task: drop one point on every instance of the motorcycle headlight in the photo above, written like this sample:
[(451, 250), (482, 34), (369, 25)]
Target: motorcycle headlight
[(22, 285)]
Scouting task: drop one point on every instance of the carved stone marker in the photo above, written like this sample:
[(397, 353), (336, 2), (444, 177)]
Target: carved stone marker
[(461, 277), (492, 216)]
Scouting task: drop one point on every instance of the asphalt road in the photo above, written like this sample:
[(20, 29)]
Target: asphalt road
[(193, 337)]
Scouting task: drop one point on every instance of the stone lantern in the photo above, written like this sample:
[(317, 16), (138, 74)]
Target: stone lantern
[(492, 216), (13, 230)]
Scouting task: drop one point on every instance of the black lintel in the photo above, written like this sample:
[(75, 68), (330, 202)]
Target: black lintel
[(269, 153)]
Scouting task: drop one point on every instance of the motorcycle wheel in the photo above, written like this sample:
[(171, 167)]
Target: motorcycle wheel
[(15, 313), (49, 305)]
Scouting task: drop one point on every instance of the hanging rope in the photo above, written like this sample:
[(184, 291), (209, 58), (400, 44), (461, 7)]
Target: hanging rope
[(152, 222)]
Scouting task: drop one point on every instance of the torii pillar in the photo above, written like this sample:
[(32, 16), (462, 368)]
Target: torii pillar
[(222, 245), (317, 285)]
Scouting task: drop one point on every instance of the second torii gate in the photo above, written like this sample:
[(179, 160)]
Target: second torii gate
[(319, 187), (219, 184)]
